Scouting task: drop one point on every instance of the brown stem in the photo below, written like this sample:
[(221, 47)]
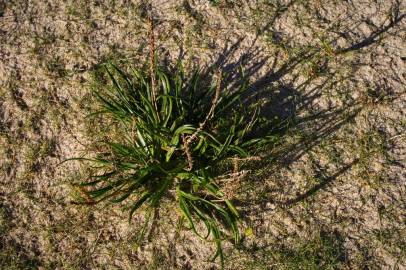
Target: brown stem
[(211, 111), (188, 140), (187, 152), (152, 60)]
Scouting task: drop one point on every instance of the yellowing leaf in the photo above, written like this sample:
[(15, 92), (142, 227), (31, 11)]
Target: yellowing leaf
[(249, 232)]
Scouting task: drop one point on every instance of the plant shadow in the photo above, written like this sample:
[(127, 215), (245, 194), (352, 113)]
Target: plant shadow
[(291, 103)]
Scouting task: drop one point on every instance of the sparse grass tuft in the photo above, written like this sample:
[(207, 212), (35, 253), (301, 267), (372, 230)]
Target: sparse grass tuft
[(323, 250)]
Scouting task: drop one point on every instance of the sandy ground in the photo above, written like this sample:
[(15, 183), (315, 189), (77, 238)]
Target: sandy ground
[(330, 195)]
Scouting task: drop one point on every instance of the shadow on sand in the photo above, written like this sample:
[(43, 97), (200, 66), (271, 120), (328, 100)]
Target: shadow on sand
[(292, 101)]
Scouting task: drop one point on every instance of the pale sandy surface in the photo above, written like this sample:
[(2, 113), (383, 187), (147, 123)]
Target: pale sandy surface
[(334, 188)]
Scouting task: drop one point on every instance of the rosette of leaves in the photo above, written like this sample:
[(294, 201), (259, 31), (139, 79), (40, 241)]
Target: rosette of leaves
[(174, 132)]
